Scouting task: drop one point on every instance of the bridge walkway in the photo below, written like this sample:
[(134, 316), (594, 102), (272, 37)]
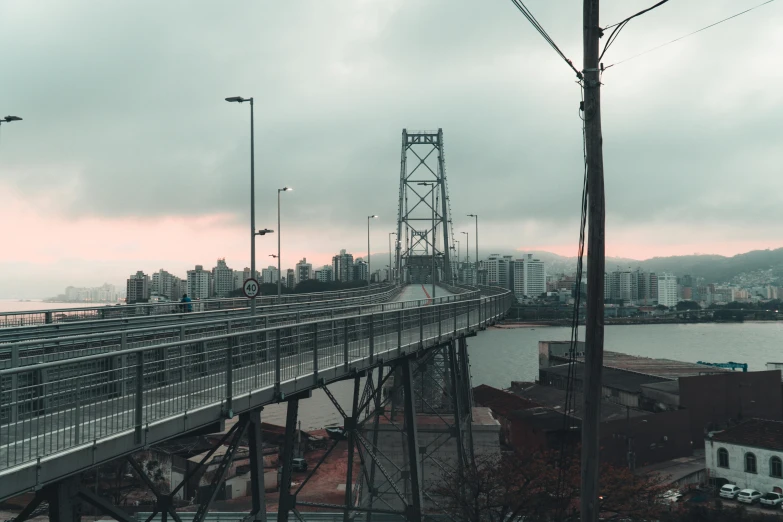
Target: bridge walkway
[(96, 408)]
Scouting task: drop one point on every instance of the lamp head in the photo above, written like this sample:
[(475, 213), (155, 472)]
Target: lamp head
[(237, 99), (12, 118), (472, 215), (372, 217)]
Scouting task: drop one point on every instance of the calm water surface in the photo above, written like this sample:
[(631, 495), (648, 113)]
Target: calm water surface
[(498, 356)]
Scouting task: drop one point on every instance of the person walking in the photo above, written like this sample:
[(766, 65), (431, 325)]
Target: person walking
[(187, 306)]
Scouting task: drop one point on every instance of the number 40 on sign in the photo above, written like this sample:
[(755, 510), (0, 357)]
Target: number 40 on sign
[(251, 288)]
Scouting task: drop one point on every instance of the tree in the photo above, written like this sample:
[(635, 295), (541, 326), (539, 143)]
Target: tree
[(687, 305), (661, 307), (542, 486)]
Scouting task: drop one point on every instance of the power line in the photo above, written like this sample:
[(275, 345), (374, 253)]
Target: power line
[(690, 34), (618, 27), (540, 29)]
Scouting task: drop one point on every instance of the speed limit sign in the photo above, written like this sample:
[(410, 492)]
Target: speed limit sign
[(250, 288)]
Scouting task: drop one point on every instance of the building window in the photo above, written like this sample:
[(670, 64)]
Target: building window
[(723, 458), (775, 467), (750, 463)]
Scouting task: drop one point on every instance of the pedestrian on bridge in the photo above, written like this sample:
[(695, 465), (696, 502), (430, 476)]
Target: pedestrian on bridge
[(187, 307)]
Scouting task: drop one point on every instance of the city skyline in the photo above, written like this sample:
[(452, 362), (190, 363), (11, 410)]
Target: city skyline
[(104, 187)]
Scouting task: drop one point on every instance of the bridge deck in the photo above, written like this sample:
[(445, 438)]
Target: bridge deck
[(98, 408)]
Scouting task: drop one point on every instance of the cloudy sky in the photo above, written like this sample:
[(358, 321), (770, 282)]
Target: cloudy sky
[(129, 159)]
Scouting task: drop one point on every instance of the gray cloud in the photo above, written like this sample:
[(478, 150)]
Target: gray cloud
[(124, 111)]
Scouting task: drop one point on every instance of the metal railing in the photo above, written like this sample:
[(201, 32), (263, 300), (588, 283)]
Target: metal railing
[(17, 334), (34, 351), (96, 402), (65, 315)]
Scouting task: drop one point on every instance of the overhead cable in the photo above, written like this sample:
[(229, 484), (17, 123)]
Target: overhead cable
[(690, 34), (618, 27), (539, 28)]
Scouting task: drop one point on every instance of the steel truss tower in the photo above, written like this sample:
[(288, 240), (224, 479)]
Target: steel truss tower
[(424, 210)]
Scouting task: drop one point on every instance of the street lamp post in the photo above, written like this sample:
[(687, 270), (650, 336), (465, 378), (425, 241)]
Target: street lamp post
[(279, 271), (467, 255), (369, 272), (239, 99), (477, 257), (390, 251)]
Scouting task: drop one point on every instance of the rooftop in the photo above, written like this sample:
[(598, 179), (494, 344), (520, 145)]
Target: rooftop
[(664, 386), (759, 433), (666, 368), (630, 381), (555, 399), (500, 402), (546, 419)]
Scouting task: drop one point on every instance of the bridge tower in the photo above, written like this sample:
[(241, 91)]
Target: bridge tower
[(424, 230)]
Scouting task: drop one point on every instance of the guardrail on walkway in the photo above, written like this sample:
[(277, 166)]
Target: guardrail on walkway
[(64, 315), (94, 408), (17, 334), (36, 351)]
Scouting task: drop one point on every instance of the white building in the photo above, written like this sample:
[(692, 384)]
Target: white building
[(529, 277), (667, 290), (199, 283), (749, 455), (269, 275), (304, 270), (324, 274), (222, 279)]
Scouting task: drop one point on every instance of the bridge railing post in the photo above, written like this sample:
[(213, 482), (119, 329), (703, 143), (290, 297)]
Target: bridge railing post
[(439, 320), (371, 335), (345, 344), (139, 409), (421, 327), (399, 330), (315, 353), (229, 375), (277, 360)]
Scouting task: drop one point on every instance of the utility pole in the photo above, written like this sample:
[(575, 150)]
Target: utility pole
[(594, 328)]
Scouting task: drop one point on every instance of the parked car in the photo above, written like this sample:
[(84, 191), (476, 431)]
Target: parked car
[(336, 433), (748, 496), (299, 465), (771, 499), (670, 496), (729, 491)]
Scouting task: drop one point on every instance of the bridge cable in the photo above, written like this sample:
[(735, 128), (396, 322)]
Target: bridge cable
[(690, 34)]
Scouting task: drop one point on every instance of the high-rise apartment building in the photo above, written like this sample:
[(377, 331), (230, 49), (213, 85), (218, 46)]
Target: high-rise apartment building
[(199, 283), (359, 270), (342, 266), (304, 270), (163, 284), (667, 290), (529, 277), (324, 274), (269, 275), (290, 278), (222, 279), (137, 288)]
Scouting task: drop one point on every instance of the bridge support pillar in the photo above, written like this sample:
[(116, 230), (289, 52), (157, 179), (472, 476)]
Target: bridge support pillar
[(256, 465), (413, 510), (287, 500)]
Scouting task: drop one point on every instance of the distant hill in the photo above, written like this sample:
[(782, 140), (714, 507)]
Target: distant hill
[(713, 268)]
